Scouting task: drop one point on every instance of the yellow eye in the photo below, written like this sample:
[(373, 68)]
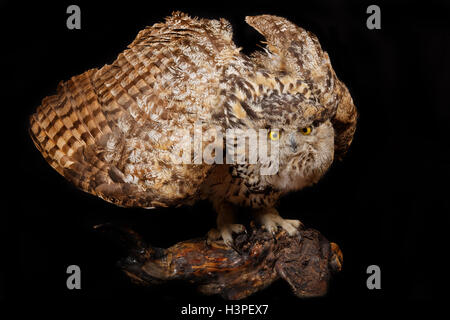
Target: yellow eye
[(306, 131), (274, 135)]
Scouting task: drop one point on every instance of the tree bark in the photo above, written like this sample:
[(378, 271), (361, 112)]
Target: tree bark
[(259, 258)]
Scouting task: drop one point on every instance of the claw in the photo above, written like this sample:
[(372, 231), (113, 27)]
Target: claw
[(233, 246), (271, 220), (226, 234)]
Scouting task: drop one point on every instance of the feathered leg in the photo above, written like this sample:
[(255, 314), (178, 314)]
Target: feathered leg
[(225, 226)]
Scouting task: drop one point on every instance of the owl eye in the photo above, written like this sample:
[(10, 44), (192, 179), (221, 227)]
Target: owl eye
[(274, 135), (306, 131)]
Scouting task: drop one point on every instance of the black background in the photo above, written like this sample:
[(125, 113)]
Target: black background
[(384, 204)]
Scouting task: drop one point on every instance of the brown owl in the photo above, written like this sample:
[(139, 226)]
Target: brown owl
[(115, 131)]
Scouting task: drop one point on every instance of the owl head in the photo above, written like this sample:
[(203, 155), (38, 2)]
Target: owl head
[(291, 90)]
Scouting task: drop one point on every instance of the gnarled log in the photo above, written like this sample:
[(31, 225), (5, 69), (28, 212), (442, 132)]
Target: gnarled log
[(259, 258)]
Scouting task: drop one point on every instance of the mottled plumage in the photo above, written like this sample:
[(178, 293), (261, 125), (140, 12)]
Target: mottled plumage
[(112, 131)]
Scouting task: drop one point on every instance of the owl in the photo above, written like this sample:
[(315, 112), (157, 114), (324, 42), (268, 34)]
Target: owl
[(117, 132)]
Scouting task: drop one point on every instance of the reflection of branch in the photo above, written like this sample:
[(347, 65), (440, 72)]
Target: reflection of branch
[(304, 261)]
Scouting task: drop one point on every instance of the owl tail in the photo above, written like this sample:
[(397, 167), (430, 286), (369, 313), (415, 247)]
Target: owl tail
[(65, 128)]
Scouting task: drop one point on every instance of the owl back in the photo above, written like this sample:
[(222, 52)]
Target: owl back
[(109, 131)]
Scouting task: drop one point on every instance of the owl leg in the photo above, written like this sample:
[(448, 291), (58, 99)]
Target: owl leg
[(225, 225), (271, 220)]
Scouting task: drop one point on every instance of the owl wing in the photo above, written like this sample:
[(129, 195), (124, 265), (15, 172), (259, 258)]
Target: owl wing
[(112, 131)]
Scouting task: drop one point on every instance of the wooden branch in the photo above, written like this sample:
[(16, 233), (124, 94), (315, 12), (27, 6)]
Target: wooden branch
[(306, 262)]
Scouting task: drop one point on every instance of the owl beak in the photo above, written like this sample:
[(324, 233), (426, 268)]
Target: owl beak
[(293, 143)]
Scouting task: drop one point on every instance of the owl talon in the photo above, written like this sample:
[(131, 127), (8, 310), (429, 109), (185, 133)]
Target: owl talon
[(232, 246), (271, 221), (237, 228), (226, 234)]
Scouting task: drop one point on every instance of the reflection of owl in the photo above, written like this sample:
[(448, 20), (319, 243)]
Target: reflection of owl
[(112, 131)]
